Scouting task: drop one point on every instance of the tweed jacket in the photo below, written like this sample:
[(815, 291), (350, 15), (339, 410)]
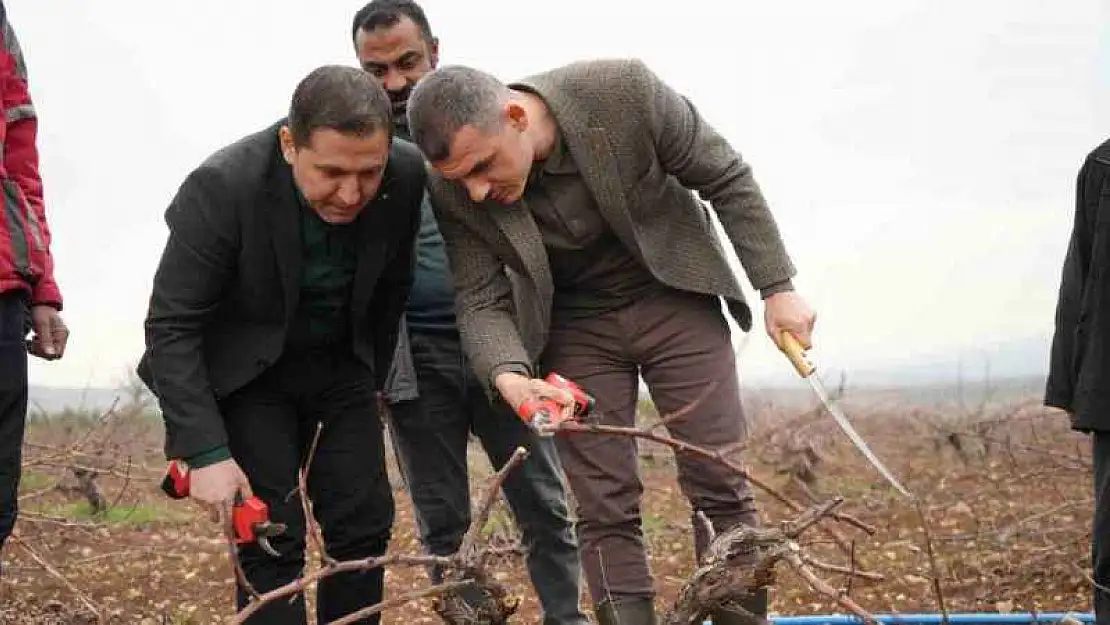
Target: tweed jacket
[(643, 150)]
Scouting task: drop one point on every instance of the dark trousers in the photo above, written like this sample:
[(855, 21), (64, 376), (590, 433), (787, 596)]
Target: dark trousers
[(1100, 530), (431, 434), (679, 342), (271, 424), (13, 404)]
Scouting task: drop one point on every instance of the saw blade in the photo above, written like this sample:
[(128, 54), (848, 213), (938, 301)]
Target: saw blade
[(845, 425)]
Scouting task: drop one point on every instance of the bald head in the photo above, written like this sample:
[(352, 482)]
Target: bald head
[(450, 98)]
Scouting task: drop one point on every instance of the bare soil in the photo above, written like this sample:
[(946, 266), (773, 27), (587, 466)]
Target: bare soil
[(1007, 490)]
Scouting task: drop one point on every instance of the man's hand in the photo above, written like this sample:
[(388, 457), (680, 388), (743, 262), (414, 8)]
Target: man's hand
[(216, 484), (788, 311), (516, 389), (50, 333)]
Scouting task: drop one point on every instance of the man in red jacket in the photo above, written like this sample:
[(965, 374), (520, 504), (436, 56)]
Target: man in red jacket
[(29, 296)]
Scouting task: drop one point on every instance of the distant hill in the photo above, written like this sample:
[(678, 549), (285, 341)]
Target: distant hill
[(1010, 369), (798, 395), (1017, 359), (1023, 358), (1005, 371), (52, 399)]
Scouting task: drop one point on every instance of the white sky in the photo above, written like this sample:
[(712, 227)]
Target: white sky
[(920, 156)]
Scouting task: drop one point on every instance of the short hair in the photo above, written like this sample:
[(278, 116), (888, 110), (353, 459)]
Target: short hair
[(388, 13), (449, 98), (345, 99)]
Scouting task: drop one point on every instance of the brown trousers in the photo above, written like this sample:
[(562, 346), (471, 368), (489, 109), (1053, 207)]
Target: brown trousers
[(679, 342)]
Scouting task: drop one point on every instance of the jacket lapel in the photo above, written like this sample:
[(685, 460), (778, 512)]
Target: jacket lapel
[(285, 213), (516, 222), (590, 147), (371, 246)]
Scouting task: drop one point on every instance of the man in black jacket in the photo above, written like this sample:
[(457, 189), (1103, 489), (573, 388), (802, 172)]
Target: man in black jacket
[(274, 312), (1079, 370)]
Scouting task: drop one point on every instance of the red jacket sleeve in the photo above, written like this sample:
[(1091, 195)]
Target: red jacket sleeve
[(21, 157)]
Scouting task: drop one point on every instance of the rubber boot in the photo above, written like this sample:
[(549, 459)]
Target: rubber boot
[(756, 604), (632, 611)]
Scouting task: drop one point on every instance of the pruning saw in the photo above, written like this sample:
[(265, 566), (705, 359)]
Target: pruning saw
[(793, 350)]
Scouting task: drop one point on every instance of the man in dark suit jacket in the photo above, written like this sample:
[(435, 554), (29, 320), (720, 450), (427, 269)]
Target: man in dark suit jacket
[(1079, 369), (274, 312), (580, 180)]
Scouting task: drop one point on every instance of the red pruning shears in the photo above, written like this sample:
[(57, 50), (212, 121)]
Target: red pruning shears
[(543, 414), (250, 517)]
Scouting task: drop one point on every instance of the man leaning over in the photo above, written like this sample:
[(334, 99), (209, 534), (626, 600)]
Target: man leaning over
[(581, 179), (274, 311)]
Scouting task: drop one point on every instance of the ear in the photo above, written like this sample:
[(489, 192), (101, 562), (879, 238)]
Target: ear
[(433, 52), (288, 149), (516, 115)]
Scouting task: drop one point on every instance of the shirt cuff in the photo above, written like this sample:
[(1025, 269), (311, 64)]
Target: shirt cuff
[(507, 367), (209, 457), (46, 292), (510, 367), (778, 287)]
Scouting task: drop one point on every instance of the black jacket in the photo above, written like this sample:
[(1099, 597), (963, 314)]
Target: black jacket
[(228, 282), (1079, 369)]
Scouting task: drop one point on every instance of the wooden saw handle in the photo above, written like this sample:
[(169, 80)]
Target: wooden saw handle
[(790, 346)]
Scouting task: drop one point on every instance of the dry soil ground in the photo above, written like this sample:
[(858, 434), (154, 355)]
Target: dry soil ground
[(1006, 491)]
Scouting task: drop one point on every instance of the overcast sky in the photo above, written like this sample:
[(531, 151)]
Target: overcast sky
[(920, 156)]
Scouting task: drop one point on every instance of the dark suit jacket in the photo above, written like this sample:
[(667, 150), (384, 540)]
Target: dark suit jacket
[(229, 279), (642, 149), (1079, 368)]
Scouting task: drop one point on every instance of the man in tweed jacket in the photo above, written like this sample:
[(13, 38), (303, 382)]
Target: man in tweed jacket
[(577, 245)]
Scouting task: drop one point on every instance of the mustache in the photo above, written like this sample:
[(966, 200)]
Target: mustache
[(400, 96)]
